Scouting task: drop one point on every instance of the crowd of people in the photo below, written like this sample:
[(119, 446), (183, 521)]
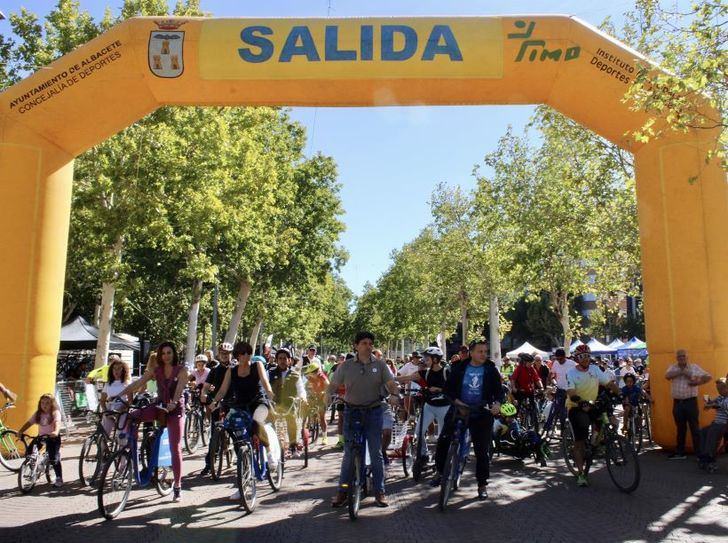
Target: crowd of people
[(364, 382)]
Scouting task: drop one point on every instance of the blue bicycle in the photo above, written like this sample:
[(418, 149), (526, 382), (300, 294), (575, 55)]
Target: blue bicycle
[(457, 457), (252, 458), (121, 471), (357, 486)]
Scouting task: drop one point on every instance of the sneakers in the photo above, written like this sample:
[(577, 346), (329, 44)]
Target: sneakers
[(205, 471), (58, 483), (482, 492), (436, 480), (176, 494), (325, 440), (380, 500), (340, 443), (340, 499), (235, 497), (581, 480), (677, 456)]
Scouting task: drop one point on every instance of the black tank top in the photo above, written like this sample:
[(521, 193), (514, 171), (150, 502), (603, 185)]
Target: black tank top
[(247, 389)]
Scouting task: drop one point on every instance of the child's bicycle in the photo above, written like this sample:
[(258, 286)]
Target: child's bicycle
[(35, 464), (12, 444), (97, 449), (121, 471)]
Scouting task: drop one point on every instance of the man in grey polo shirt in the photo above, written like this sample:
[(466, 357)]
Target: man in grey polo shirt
[(363, 378)]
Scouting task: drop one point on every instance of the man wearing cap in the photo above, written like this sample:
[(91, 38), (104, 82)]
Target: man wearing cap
[(311, 355), (212, 383), (559, 369)]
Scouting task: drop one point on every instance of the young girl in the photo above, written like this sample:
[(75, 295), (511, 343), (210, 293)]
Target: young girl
[(48, 419), (118, 380)]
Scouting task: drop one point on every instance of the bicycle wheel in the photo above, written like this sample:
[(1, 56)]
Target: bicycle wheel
[(163, 480), (192, 433), (314, 429), (408, 456), (623, 464), (90, 460), (354, 490), (246, 479), (12, 450), (217, 451), (419, 463), (647, 422), (275, 477), (533, 416), (115, 484), (27, 475), (204, 423), (450, 474), (567, 447)]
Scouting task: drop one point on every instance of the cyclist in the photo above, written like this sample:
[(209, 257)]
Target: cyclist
[(471, 386), (432, 380), (632, 393), (311, 355), (413, 367), (171, 378), (316, 384), (583, 384), (559, 369), (363, 377), (48, 418), (514, 439), (251, 392), (201, 371), (118, 379), (287, 384), (525, 380), (506, 368), (212, 384), (339, 395)]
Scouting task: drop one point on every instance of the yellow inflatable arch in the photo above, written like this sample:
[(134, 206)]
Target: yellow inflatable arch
[(144, 63)]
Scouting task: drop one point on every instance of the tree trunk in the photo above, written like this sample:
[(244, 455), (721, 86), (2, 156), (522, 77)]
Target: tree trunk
[(108, 290), (255, 333), (464, 317), (194, 312), (565, 321), (494, 320), (240, 302)]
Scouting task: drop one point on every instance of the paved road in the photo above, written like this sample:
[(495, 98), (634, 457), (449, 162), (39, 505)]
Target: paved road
[(675, 502)]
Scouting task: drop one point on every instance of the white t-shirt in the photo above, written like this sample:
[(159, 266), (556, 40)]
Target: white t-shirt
[(560, 371), (112, 391), (586, 383), (410, 369)]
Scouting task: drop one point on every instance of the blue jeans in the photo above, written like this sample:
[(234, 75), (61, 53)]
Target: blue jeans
[(372, 420)]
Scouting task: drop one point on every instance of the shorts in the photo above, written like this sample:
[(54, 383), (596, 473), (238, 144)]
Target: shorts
[(387, 419), (581, 421)]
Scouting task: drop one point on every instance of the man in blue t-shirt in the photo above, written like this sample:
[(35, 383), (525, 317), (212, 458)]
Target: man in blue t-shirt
[(474, 385)]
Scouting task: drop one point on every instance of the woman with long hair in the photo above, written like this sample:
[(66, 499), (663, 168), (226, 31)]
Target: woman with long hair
[(48, 418), (170, 378)]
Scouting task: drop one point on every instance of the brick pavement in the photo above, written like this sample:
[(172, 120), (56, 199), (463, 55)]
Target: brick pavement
[(675, 502)]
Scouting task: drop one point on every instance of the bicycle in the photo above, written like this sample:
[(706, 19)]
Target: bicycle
[(356, 488), (621, 458), (419, 441), (294, 411), (35, 463), (13, 445), (121, 471), (97, 449), (556, 418), (527, 411), (457, 456), (195, 424), (220, 444), (252, 458)]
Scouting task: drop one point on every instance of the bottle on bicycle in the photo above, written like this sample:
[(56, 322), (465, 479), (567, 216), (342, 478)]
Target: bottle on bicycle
[(471, 386)]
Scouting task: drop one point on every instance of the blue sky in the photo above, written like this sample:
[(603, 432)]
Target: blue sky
[(390, 159)]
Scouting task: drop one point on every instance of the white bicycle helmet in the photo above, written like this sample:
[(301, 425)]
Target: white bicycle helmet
[(434, 351)]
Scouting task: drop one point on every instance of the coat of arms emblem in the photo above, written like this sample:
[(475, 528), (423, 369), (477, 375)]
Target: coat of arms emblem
[(166, 48)]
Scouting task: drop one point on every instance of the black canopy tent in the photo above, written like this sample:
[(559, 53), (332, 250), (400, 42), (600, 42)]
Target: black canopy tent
[(80, 334)]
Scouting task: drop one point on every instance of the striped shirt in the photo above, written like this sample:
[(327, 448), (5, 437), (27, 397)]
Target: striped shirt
[(680, 385)]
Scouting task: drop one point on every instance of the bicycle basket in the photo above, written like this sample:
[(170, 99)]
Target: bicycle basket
[(239, 423)]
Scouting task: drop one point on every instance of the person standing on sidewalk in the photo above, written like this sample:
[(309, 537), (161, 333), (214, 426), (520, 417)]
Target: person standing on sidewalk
[(363, 377), (685, 378)]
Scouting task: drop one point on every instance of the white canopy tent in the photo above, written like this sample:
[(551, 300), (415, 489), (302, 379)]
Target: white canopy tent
[(526, 348), (597, 347)]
